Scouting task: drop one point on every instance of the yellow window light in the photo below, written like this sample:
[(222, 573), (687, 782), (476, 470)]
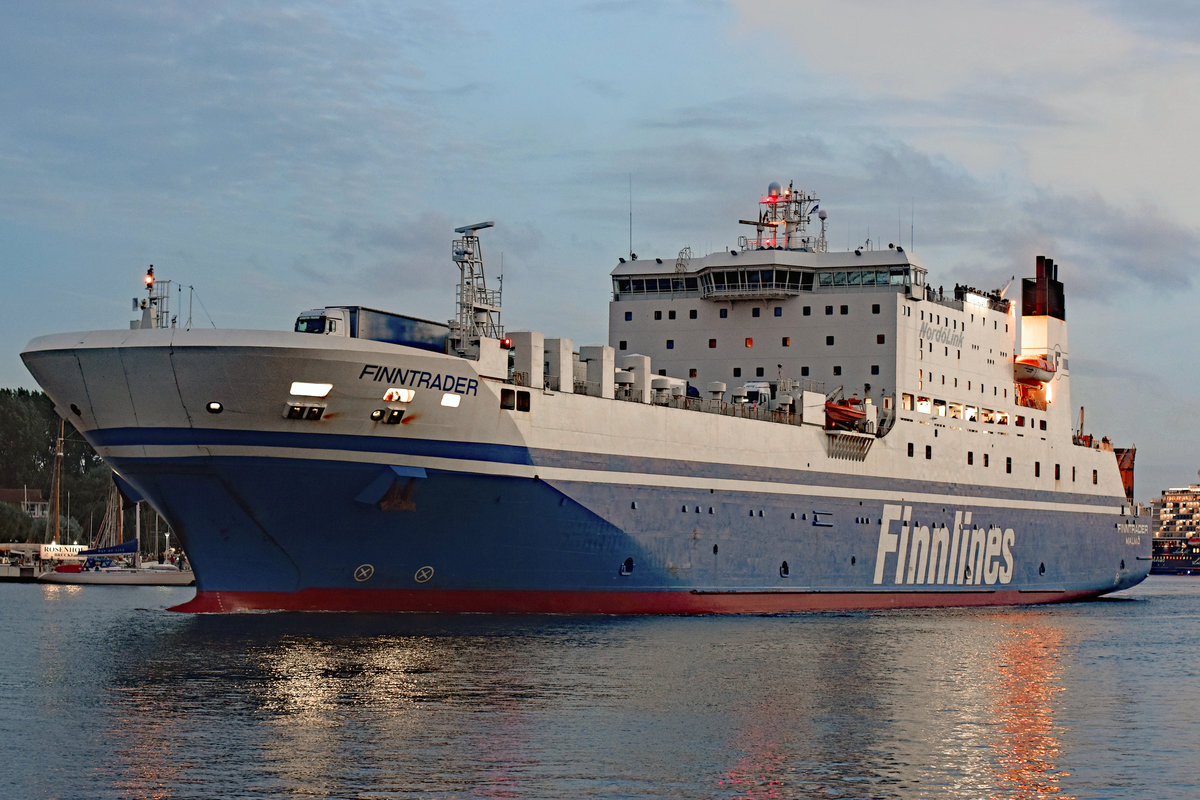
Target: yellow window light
[(451, 400)]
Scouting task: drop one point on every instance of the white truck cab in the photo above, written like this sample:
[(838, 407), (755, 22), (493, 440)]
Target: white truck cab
[(329, 321)]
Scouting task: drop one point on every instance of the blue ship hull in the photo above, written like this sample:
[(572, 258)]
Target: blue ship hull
[(296, 533)]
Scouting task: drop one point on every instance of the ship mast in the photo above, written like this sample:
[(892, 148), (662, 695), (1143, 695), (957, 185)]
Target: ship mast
[(784, 219), (478, 306)]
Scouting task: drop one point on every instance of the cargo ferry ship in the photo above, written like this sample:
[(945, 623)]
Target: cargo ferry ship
[(771, 427)]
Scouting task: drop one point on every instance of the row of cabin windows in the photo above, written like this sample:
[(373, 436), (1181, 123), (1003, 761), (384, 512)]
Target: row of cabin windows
[(938, 319), (785, 341), (760, 371), (996, 391), (1037, 465), (754, 279), (964, 411), (756, 311)]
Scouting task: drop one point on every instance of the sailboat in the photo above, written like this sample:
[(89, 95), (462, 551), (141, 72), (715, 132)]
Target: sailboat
[(113, 562)]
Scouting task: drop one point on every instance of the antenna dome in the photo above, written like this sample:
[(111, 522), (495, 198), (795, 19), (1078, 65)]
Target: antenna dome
[(774, 189)]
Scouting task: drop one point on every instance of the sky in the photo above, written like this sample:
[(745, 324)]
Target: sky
[(271, 157)]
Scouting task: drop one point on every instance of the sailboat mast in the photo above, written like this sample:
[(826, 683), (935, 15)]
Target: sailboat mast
[(52, 523)]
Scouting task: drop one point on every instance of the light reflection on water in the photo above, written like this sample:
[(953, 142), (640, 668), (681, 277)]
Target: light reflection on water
[(961, 704), (1028, 746)]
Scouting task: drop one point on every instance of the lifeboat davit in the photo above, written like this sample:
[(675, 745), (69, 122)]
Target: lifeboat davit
[(1033, 370)]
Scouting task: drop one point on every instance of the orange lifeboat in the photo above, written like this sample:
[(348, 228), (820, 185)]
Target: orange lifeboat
[(1033, 370), (843, 413)]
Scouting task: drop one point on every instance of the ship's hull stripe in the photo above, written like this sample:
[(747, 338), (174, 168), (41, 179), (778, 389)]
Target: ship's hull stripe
[(670, 602), (615, 478), (514, 461)]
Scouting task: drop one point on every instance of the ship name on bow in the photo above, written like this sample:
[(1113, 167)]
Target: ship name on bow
[(419, 379)]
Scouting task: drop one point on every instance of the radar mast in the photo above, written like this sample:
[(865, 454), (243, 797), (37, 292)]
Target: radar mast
[(478, 306)]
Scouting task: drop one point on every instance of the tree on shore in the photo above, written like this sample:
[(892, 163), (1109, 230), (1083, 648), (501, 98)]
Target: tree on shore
[(29, 428)]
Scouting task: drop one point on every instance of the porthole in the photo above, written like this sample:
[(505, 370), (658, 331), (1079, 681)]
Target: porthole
[(75, 410), (213, 407)]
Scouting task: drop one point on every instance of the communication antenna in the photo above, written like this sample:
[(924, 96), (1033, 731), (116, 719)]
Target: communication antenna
[(631, 215)]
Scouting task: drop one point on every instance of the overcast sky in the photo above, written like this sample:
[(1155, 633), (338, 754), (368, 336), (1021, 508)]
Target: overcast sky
[(282, 156)]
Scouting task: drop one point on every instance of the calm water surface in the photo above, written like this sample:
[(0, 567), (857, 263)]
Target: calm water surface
[(106, 694)]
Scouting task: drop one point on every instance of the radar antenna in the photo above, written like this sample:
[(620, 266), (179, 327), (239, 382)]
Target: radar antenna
[(681, 262)]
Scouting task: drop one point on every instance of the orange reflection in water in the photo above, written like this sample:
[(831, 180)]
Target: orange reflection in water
[(1028, 671)]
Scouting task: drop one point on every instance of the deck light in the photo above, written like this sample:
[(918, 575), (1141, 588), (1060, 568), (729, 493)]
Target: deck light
[(302, 389)]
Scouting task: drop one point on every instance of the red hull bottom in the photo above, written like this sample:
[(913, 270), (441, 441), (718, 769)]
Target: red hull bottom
[(680, 602)]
